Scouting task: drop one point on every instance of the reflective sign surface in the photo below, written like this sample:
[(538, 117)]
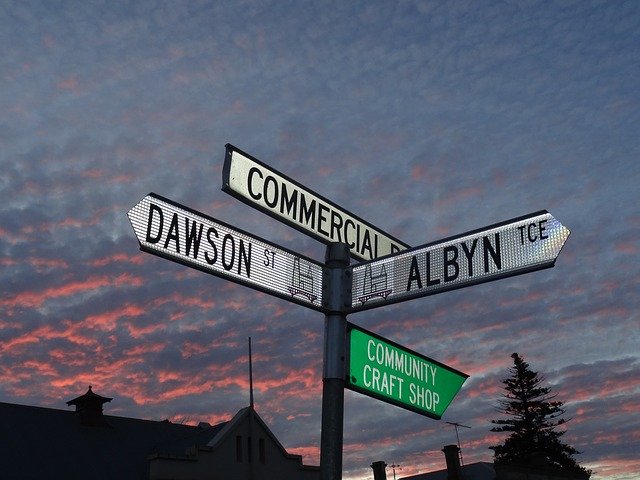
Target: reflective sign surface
[(510, 248), (394, 374), (181, 234), (264, 188)]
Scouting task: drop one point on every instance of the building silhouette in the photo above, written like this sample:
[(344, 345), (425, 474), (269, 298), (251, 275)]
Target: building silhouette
[(536, 468), (47, 443)]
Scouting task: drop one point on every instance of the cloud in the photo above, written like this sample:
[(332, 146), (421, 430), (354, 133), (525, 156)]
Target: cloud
[(427, 120)]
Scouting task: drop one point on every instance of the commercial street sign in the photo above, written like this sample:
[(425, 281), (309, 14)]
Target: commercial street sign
[(516, 246), (268, 190), (382, 369), (170, 230)]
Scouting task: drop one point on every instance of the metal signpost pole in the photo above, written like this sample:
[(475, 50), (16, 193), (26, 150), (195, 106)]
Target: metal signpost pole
[(336, 298)]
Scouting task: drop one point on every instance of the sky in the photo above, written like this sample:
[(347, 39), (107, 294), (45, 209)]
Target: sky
[(427, 119)]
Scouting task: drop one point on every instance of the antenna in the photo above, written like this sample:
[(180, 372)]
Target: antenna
[(394, 466), (456, 425), (250, 377)]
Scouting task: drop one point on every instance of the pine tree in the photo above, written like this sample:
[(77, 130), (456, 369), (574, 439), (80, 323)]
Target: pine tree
[(534, 416)]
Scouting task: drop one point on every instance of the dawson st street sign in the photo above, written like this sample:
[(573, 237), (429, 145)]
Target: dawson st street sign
[(175, 232)]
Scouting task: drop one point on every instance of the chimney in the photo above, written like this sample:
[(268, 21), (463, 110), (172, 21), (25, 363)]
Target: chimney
[(379, 470), (452, 456), (89, 407)]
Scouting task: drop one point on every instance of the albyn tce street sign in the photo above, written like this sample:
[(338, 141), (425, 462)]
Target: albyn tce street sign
[(517, 246)]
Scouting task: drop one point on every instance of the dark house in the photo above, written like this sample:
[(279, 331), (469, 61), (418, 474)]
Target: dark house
[(37, 442)]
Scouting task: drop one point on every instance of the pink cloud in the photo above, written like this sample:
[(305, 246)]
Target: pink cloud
[(237, 107), (628, 248), (18, 341), (607, 438), (191, 301), (39, 367), (325, 171), (6, 261), (122, 179), (166, 376), (418, 172), (190, 349), (37, 298), (140, 331), (69, 83), (301, 382), (42, 264), (4, 324), (529, 297), (632, 407), (119, 257), (70, 222), (93, 173), (310, 453), (192, 388), (48, 41), (174, 317), (108, 320), (458, 196), (70, 356), (486, 389), (235, 305), (145, 348)]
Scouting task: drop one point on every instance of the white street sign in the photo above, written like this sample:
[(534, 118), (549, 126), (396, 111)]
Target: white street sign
[(266, 189), (517, 246), (178, 233)]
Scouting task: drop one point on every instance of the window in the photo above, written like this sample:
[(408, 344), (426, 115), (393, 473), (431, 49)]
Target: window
[(261, 452), (249, 449), (238, 448)]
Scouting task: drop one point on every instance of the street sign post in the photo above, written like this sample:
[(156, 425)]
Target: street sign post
[(178, 233), (392, 272), (277, 195), (382, 369), (517, 246)]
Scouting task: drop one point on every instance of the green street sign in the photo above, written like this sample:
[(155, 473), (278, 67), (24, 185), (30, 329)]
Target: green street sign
[(382, 369)]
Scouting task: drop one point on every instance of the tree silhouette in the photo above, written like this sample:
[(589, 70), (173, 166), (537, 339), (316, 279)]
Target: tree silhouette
[(534, 416)]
